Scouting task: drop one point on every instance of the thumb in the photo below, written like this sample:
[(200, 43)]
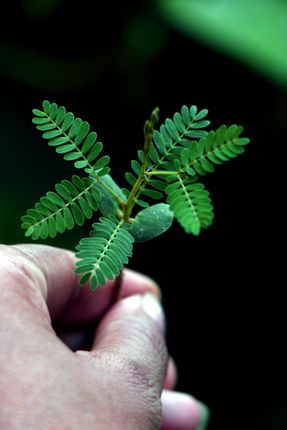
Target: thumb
[(133, 331)]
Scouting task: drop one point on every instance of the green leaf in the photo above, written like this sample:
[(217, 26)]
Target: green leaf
[(237, 28), (196, 134), (158, 139), (41, 120), (178, 121), (63, 149), (171, 128), (77, 214), (185, 115), (51, 134), (52, 227), (103, 172), (190, 204), (44, 232), (82, 133), (78, 182), (44, 201), (207, 166), (89, 142), (60, 115), (151, 222), (152, 194), (193, 111), (55, 198), (157, 184), (69, 221), (60, 222), (104, 254), (202, 114), (130, 178), (75, 128), (46, 106), (102, 162), (38, 112), (68, 121), (36, 232), (93, 203), (200, 124), (136, 167), (46, 127), (81, 163), (153, 155), (85, 207), (72, 203), (95, 151), (53, 110), (72, 156), (58, 141)]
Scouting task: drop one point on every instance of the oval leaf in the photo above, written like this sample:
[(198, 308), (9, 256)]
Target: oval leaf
[(151, 222)]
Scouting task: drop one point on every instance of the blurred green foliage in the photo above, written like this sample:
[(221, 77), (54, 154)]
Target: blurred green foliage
[(47, 72), (38, 9), (254, 31)]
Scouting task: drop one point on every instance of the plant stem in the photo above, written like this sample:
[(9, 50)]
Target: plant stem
[(148, 135), (131, 200), (160, 172), (110, 190)]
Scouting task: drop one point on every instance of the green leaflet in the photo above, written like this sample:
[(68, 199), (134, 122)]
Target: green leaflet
[(191, 204), (104, 254), (238, 29), (71, 137), (151, 222), (70, 204), (217, 147)]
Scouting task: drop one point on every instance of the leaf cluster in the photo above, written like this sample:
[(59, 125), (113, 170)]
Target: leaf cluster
[(167, 170)]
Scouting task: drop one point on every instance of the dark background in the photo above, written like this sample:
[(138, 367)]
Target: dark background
[(223, 291)]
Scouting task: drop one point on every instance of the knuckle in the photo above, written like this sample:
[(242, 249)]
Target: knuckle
[(22, 279), (141, 387), (135, 390)]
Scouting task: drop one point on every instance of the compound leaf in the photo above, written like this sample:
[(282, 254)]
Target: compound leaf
[(190, 204), (71, 137), (70, 204), (96, 253)]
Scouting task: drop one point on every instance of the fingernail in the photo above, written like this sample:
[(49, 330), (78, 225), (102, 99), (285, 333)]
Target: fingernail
[(141, 282), (153, 309), (204, 417), (183, 412), (132, 303)]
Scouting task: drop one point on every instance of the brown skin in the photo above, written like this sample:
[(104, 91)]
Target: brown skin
[(117, 384)]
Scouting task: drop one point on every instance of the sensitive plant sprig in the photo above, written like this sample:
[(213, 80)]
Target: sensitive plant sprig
[(167, 170)]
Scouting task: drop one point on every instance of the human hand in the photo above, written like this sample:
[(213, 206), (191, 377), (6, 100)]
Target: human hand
[(118, 384)]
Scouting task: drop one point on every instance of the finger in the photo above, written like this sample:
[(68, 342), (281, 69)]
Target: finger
[(50, 272), (181, 411), (134, 331), (171, 377), (88, 305)]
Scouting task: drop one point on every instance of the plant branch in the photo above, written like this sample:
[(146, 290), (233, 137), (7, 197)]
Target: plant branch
[(148, 135)]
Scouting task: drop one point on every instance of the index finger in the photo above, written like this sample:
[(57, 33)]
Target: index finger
[(50, 271)]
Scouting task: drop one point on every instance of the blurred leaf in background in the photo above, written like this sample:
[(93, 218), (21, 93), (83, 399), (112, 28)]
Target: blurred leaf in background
[(37, 9), (67, 49), (254, 31), (51, 73)]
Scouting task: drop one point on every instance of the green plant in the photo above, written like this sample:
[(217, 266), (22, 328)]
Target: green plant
[(169, 164)]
